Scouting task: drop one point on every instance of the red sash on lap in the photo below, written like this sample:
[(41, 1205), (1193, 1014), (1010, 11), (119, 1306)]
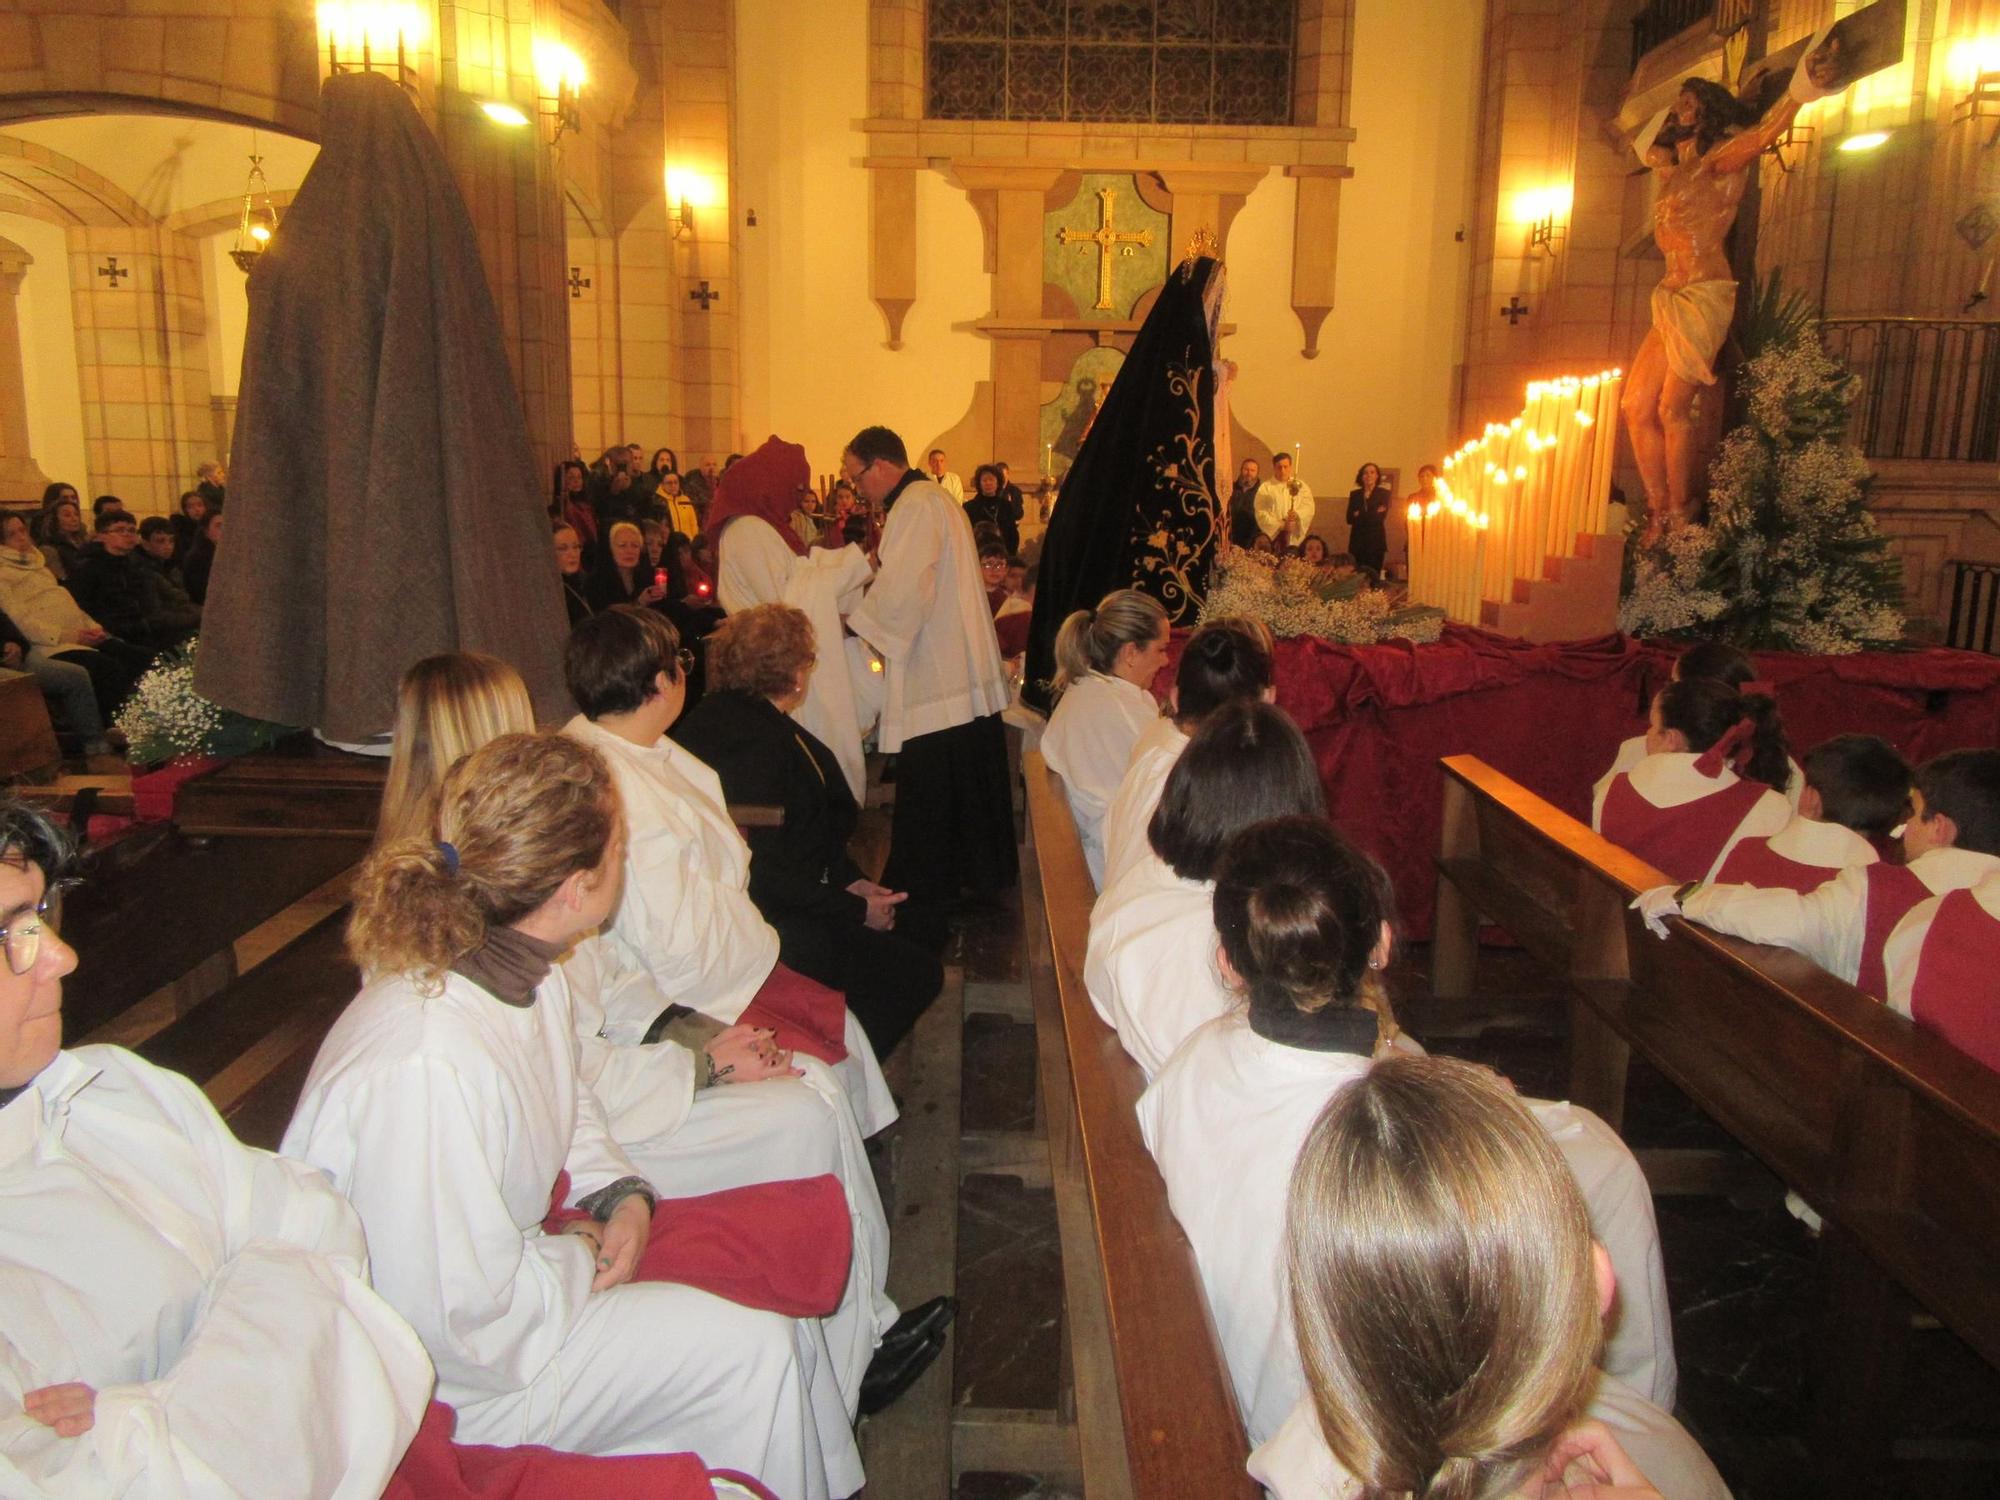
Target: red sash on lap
[(1955, 994), (780, 1246), (436, 1468), (807, 1016)]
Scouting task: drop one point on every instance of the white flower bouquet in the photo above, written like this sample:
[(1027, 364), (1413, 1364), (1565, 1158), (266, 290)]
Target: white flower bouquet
[(165, 719), (1294, 598)]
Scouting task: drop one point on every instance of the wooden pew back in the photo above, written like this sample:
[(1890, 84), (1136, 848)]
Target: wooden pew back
[(1156, 1415)]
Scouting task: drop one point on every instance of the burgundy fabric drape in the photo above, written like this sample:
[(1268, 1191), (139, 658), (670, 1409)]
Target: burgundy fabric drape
[(1379, 717), (383, 505)]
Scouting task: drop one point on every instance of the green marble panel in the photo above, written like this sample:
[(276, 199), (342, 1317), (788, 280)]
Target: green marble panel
[(1076, 267)]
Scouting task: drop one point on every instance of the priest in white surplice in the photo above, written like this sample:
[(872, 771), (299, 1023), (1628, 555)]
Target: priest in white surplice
[(928, 616), (1284, 504)]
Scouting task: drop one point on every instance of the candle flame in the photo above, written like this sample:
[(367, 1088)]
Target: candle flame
[(1416, 511)]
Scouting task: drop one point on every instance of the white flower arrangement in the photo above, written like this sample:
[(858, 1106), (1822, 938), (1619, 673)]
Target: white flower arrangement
[(1294, 598), (166, 719)]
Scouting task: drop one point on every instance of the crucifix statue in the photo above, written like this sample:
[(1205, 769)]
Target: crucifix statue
[(1106, 238)]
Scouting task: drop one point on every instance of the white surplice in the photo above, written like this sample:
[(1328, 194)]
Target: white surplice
[(1669, 779), (1902, 955), (1633, 750), (685, 915), (1278, 502), (215, 1296), (1154, 755), (1089, 744), (927, 614), (446, 1119), (1296, 1463), (755, 566), (1150, 965), (1225, 1120), (687, 1142)]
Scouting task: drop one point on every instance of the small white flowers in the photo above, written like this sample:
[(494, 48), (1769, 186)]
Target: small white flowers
[(1293, 598), (165, 717)]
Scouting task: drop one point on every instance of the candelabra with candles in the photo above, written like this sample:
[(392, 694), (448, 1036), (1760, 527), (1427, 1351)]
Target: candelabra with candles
[(1518, 495)]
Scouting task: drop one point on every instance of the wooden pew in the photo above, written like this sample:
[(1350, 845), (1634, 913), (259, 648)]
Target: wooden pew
[(1156, 1415), (1892, 1135)]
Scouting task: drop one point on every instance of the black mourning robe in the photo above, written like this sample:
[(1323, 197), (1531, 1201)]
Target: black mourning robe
[(383, 505), (1139, 507)]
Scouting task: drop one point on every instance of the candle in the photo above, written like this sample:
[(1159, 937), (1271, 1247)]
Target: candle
[(1050, 461)]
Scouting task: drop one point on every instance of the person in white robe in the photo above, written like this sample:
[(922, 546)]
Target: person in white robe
[(1223, 660), (1226, 1115), (927, 616), (1727, 665), (1150, 965), (1106, 660), (1434, 1242), (1285, 504), (445, 1103), (759, 563), (181, 1311), (685, 916)]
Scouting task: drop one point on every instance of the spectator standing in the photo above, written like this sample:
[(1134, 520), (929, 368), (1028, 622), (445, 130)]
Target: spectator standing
[(1243, 505), (988, 505), (1368, 519), (1284, 504), (943, 477), (210, 479)]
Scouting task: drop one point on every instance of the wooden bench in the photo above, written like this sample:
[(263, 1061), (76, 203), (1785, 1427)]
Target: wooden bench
[(1156, 1415), (1889, 1133)]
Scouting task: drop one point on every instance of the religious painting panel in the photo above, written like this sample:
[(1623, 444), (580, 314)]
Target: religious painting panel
[(1105, 247), (1066, 419)]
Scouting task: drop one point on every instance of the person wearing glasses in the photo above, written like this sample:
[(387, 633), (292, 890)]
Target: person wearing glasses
[(182, 1311), (119, 588)]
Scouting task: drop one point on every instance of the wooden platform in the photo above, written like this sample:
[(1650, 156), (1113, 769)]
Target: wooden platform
[(303, 788)]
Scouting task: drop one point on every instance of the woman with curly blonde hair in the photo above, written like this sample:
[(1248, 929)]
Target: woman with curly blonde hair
[(446, 1102)]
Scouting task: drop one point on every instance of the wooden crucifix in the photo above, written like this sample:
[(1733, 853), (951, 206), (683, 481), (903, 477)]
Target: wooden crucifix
[(1106, 239)]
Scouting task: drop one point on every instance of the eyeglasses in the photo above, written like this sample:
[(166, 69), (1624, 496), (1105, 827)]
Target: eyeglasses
[(22, 937)]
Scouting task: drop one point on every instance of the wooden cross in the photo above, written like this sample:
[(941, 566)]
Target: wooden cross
[(1105, 238), (112, 271), (1514, 311), (703, 295), (577, 282)]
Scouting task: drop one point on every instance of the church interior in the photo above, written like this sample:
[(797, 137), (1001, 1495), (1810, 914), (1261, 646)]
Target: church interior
[(1666, 327)]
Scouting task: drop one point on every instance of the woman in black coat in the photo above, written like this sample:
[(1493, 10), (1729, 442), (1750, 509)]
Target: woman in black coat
[(833, 923), (1368, 519)]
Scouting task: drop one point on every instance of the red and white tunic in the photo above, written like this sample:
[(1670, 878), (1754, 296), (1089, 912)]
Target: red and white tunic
[(1943, 966), (1632, 751), (1802, 856), (1846, 924), (1681, 821)]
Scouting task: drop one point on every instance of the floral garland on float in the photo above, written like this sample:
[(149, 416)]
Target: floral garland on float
[(1294, 598), (1788, 557)]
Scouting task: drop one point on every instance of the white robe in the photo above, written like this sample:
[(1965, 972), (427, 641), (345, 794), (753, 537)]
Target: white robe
[(1633, 750), (685, 915), (1903, 954), (1829, 925), (215, 1296), (1153, 758), (1150, 964), (1225, 1120), (927, 614), (445, 1120), (755, 566), (1296, 1463), (1276, 502), (1089, 744), (686, 1143), (1670, 779)]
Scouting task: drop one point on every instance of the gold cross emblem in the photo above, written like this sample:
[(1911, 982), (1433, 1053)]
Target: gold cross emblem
[(1105, 239)]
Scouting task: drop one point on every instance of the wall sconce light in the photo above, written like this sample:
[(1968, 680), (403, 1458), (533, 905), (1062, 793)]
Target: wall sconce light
[(500, 112), (260, 217), (1867, 140), (686, 191), (1796, 136), (369, 36), (1973, 63), (559, 80), (1546, 213)]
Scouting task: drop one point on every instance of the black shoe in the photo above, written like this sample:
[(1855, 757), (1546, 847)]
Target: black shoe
[(921, 1322), (893, 1371)]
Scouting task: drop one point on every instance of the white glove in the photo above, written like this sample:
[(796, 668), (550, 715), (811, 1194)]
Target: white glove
[(1656, 906)]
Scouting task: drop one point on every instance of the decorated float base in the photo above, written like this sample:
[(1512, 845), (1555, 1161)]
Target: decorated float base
[(1551, 716), (1575, 599)]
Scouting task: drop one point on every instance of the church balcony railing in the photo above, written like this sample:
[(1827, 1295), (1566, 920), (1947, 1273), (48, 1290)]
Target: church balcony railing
[(1662, 20), (1975, 605), (1930, 387)]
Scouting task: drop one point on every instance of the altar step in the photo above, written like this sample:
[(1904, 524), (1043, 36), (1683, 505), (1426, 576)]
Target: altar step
[(304, 787), (1575, 599)]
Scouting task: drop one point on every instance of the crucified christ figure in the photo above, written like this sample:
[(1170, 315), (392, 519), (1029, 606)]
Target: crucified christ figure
[(1703, 154)]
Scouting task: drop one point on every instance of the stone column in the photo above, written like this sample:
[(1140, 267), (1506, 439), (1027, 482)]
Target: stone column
[(21, 478), (1018, 199)]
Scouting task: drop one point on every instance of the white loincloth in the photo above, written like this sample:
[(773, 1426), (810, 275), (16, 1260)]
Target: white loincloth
[(1692, 321)]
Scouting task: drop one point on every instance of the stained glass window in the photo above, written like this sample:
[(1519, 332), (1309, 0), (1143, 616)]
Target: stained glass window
[(1202, 62)]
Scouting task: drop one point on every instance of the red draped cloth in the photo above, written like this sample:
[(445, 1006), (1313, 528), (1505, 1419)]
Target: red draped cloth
[(1379, 717), (780, 1246), (807, 1016)]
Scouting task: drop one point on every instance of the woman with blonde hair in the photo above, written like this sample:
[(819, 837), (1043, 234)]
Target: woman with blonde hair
[(446, 1102), (1106, 660), (1301, 936), (1447, 1297), (447, 707)]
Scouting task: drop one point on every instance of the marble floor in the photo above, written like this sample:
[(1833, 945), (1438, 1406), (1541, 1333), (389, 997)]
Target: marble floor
[(1741, 1270)]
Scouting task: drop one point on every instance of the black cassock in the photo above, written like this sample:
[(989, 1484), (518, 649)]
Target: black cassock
[(1139, 507)]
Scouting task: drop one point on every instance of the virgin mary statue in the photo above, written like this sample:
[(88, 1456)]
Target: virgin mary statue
[(1139, 507)]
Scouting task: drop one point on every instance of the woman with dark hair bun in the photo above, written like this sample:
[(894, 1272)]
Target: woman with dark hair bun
[(1224, 660), (1714, 775), (1302, 933), (1728, 665), (1150, 966)]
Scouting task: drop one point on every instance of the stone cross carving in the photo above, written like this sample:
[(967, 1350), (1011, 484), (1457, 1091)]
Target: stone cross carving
[(1106, 239), (578, 282), (112, 272), (1514, 311), (703, 295)]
